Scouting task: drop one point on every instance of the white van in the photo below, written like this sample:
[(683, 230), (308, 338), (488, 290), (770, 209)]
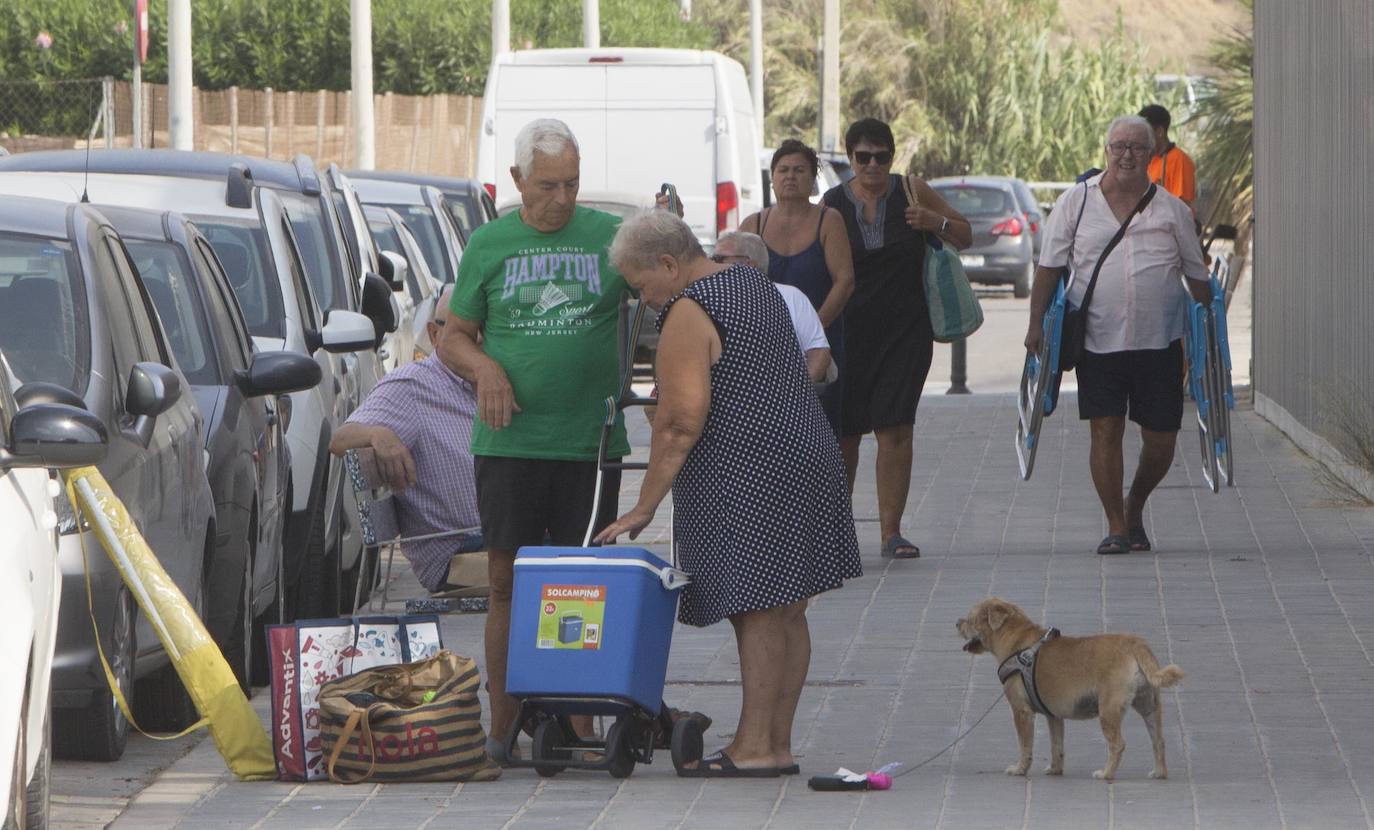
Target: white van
[(642, 117)]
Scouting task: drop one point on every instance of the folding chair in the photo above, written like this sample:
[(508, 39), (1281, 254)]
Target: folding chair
[(381, 527)]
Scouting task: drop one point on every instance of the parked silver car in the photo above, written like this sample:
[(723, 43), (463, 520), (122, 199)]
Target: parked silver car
[(78, 328), (1002, 249)]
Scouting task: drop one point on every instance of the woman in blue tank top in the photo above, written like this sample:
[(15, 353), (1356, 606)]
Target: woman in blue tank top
[(808, 248)]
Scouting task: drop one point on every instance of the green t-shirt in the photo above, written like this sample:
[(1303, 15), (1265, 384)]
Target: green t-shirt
[(548, 305)]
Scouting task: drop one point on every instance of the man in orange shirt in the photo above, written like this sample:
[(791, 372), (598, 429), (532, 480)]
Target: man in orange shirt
[(1170, 167)]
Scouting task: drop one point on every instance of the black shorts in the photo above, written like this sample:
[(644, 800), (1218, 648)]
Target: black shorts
[(523, 500), (1148, 382)]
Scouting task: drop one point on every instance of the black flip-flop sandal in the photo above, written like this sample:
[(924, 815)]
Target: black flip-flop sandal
[(1137, 538), (719, 765), (1113, 545), (899, 548), (790, 769)]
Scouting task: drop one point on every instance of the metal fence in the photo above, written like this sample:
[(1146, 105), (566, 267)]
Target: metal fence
[(1314, 296), (435, 134), (46, 115)]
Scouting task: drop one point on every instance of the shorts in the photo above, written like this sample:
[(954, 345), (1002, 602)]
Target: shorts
[(528, 501), (1146, 382)]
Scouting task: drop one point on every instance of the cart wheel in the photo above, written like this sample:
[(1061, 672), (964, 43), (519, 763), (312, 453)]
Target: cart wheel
[(618, 749), (687, 743), (547, 735)]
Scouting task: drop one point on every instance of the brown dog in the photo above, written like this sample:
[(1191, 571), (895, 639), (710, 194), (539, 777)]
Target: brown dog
[(1076, 677)]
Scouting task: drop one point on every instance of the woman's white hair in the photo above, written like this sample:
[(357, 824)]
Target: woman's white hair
[(646, 236), (1131, 121), (546, 136)]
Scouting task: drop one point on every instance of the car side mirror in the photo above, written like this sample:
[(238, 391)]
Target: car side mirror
[(379, 305), (1224, 232), (54, 435), (153, 389), (393, 267), (278, 373), (347, 331)]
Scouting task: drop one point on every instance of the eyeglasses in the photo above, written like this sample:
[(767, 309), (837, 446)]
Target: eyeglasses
[(863, 157), (721, 259), (1120, 148)]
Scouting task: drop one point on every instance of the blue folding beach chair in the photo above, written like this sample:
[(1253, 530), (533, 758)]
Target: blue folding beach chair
[(1039, 391), (1209, 378)]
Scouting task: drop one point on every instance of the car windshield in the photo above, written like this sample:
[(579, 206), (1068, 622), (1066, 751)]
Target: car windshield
[(354, 249), (424, 226), (167, 276), (318, 252), (44, 330), (243, 250), (971, 200)]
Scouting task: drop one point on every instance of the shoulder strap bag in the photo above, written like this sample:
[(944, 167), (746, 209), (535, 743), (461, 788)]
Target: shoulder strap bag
[(1074, 340), (953, 307)]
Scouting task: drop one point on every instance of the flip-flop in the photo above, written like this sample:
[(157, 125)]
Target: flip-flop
[(1137, 538), (719, 765), (790, 769), (1113, 545), (898, 548)]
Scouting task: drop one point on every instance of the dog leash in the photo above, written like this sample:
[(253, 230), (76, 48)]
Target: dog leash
[(898, 769)]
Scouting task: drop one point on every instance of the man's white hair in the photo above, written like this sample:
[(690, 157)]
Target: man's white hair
[(747, 244), (546, 136), (1131, 121), (646, 236)]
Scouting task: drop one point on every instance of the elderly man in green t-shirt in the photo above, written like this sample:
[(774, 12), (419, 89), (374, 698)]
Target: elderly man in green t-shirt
[(538, 286)]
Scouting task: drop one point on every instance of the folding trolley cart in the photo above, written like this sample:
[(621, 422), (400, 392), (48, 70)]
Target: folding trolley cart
[(1209, 378)]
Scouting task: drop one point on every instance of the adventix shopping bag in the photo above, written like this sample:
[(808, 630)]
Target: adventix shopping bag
[(307, 654)]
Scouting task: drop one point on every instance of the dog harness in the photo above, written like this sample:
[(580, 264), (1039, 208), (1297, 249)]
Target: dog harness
[(1023, 663)]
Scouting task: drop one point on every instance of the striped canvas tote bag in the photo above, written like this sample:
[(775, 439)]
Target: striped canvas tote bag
[(416, 721)]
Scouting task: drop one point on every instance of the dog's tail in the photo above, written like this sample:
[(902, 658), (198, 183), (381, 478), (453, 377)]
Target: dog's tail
[(1160, 678)]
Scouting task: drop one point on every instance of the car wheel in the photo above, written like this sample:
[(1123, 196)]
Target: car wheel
[(317, 587), (100, 731), (39, 788), (1022, 287)]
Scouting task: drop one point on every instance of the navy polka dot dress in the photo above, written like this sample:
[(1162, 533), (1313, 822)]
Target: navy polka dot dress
[(762, 514)]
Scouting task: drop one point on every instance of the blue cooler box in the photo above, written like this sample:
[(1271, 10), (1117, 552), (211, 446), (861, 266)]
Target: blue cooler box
[(591, 622)]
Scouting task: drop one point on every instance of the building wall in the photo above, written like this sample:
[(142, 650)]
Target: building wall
[(1314, 213)]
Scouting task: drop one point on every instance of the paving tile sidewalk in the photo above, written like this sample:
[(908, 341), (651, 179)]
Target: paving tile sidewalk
[(1260, 593)]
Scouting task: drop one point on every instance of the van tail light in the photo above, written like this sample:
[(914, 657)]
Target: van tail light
[(1008, 227), (491, 190), (727, 207), (1034, 225)]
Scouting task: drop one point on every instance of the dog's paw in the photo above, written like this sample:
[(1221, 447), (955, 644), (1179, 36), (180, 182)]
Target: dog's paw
[(1101, 775), (1159, 773), (1017, 769), (1053, 770)]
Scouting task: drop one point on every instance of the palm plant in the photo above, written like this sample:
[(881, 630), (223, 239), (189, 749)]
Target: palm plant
[(1225, 127)]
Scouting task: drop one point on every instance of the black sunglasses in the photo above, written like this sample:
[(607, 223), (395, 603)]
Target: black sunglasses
[(864, 157)]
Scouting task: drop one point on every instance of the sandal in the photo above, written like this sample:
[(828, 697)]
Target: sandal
[(719, 765), (1113, 545), (898, 548), (790, 769), (1137, 538)]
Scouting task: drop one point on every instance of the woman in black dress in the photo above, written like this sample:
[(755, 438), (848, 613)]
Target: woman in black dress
[(762, 518), (888, 339)]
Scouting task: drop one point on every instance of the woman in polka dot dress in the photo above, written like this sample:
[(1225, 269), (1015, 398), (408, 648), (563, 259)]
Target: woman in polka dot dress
[(763, 519)]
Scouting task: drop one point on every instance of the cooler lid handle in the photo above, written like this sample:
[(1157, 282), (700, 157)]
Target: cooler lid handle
[(674, 579)]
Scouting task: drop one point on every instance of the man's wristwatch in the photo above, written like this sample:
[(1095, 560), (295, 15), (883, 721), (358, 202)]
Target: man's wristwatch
[(944, 226)]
